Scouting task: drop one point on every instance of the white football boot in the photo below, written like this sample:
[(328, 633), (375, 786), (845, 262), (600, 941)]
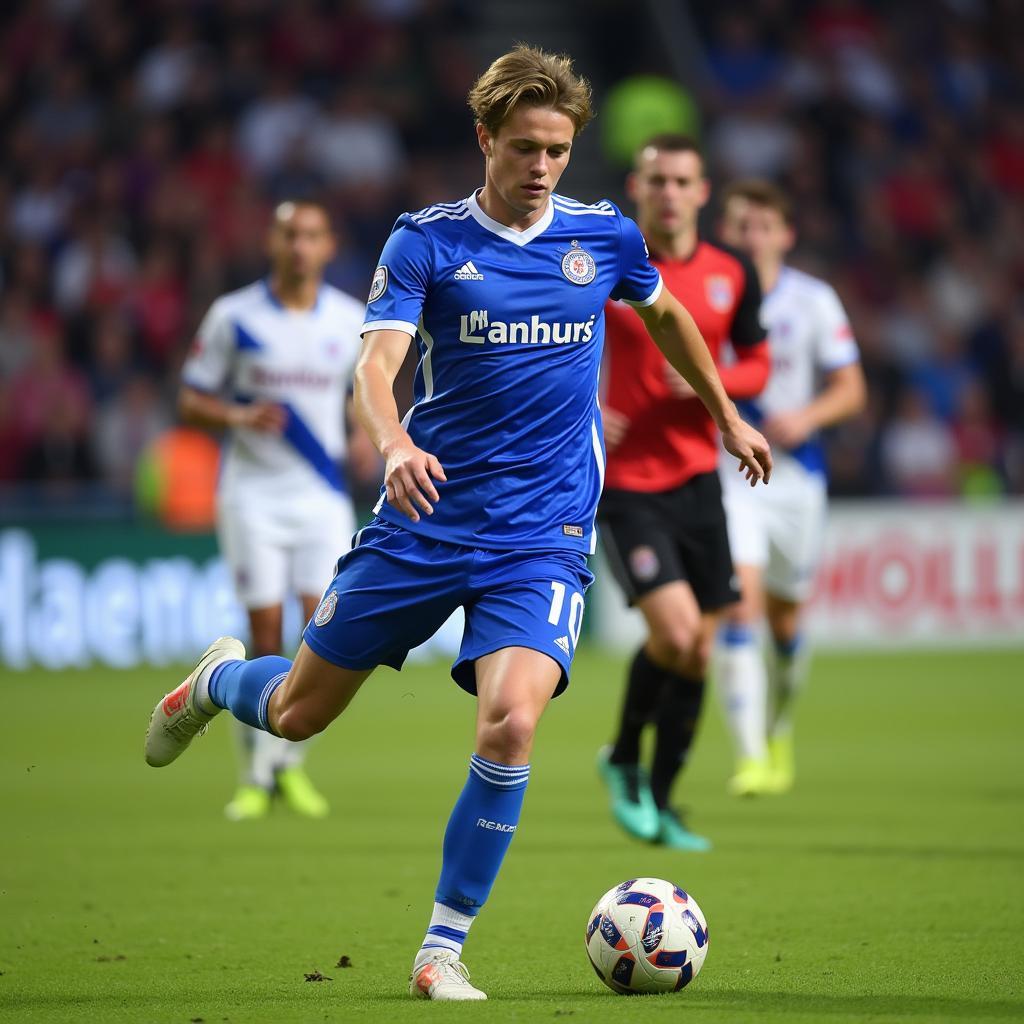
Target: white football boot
[(178, 718), (444, 978)]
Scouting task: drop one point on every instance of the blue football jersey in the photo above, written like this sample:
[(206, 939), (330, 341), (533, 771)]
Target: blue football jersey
[(510, 328)]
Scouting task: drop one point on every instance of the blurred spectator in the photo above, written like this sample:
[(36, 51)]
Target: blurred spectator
[(50, 402), (38, 210), (125, 427), (66, 113), (111, 355), (918, 450), (158, 304), (276, 121), (96, 267), (145, 145), (354, 144), (979, 441), (165, 71)]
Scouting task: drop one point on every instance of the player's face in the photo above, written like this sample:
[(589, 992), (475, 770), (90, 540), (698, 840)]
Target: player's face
[(526, 156), (760, 231), (669, 189), (301, 241)]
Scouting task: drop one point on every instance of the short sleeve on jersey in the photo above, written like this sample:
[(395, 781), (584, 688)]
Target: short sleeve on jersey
[(747, 328), (835, 345), (639, 283), (208, 363), (400, 281)]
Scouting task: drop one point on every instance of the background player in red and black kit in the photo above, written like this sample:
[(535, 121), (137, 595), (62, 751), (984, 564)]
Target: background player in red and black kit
[(662, 522)]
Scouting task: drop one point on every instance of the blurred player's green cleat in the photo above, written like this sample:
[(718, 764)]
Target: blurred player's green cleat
[(248, 804), (633, 806), (780, 757), (753, 777), (178, 719), (675, 835), (299, 793)]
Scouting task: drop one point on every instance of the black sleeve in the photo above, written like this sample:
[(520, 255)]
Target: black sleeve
[(747, 328)]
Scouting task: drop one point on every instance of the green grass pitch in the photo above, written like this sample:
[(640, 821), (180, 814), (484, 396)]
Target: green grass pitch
[(888, 887)]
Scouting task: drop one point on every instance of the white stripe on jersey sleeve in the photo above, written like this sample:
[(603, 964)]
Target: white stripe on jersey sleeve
[(389, 325), (651, 299)]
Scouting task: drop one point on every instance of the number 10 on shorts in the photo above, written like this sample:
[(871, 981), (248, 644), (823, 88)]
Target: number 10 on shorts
[(575, 623)]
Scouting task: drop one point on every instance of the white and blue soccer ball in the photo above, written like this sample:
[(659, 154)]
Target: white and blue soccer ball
[(647, 936)]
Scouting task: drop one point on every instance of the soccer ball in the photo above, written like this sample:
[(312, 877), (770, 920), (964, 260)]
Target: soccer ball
[(646, 936)]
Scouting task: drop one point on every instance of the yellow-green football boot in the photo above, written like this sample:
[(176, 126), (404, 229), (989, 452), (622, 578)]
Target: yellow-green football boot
[(780, 757), (299, 793), (753, 777), (248, 804)]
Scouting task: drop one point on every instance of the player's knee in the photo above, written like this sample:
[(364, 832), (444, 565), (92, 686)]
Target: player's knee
[(699, 658), (743, 613), (508, 734), (299, 723), (672, 646)]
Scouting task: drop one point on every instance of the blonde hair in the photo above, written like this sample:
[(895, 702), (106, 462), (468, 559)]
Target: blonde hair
[(530, 76)]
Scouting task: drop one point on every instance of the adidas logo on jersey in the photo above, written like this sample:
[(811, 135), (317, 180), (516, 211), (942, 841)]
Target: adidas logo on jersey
[(563, 643), (468, 272), (476, 328)]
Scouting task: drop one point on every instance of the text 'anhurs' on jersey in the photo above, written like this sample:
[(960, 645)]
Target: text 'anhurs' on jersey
[(477, 328)]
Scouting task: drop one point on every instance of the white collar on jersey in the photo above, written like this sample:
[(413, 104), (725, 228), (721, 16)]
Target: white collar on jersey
[(503, 230)]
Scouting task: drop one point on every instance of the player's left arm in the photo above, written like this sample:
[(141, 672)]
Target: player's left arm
[(844, 392), (747, 376), (843, 396), (674, 332)]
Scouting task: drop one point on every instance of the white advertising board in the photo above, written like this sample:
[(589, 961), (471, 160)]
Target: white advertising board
[(894, 574)]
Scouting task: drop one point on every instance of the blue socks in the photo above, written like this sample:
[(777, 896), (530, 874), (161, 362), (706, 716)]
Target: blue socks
[(245, 687), (483, 821)]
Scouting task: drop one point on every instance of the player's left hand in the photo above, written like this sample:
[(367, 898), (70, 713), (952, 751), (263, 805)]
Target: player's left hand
[(750, 447), (788, 429)]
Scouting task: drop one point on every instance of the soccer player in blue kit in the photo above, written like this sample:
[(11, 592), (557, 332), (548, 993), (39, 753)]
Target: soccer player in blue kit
[(491, 480)]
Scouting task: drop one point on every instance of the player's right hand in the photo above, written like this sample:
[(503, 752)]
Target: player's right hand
[(266, 417), (407, 480)]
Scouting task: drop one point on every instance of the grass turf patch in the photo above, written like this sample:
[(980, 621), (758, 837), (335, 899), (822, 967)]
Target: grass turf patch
[(887, 886)]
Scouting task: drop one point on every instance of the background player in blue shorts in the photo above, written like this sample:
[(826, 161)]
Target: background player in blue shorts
[(491, 481)]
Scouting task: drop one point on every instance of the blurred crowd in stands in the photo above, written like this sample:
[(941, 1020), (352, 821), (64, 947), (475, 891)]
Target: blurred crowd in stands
[(146, 142)]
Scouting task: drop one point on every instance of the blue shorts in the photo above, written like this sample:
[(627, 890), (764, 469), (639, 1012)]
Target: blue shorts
[(395, 589)]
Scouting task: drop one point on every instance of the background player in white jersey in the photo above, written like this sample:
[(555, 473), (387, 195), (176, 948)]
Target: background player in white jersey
[(816, 382), (273, 363), (491, 480)]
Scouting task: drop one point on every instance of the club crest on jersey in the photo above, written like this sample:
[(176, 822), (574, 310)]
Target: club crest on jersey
[(325, 611), (718, 289), (379, 283), (578, 265)]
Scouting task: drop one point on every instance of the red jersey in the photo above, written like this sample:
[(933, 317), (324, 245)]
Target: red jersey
[(672, 439)]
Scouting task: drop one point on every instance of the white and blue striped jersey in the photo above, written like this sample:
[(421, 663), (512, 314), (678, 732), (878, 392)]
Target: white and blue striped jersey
[(254, 349), (808, 335), (510, 327)]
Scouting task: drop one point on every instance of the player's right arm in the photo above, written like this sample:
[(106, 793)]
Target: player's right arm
[(844, 391), (205, 410), (206, 370), (397, 295), (407, 469)]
